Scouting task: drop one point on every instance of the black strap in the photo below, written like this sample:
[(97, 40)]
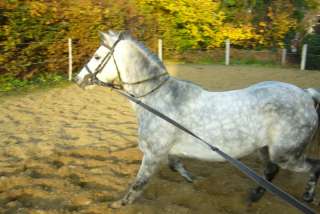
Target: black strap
[(106, 59), (153, 90), (238, 164), (146, 80)]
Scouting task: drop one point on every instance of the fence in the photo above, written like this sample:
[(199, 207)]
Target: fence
[(230, 55), (227, 55)]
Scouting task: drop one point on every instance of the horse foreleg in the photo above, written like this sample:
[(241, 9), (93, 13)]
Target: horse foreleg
[(176, 165), (269, 172), (147, 169)]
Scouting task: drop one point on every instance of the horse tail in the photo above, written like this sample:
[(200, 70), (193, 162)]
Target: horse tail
[(314, 148), (315, 93)]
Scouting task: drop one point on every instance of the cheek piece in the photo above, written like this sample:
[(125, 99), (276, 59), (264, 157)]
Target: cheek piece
[(91, 78)]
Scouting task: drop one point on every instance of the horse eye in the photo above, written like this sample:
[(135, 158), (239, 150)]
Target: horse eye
[(97, 57)]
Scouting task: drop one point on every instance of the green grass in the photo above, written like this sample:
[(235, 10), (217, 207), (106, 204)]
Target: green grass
[(9, 85), (254, 62), (210, 61), (202, 61)]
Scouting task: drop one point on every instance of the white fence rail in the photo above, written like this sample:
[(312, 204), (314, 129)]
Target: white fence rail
[(304, 57), (227, 58), (160, 49), (70, 58), (284, 57)]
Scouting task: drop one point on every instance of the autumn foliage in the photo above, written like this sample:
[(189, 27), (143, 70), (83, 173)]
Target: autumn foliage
[(36, 31)]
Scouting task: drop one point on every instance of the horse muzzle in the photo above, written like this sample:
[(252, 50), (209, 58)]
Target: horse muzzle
[(83, 83)]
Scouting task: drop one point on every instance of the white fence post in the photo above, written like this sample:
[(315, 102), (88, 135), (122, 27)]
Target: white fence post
[(160, 49), (227, 59), (284, 56), (304, 57), (70, 58)]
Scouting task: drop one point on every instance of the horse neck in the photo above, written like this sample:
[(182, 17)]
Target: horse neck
[(138, 67)]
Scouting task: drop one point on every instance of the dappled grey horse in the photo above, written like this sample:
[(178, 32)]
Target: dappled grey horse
[(277, 119)]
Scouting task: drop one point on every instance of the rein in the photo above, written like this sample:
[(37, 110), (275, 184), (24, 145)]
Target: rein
[(92, 78)]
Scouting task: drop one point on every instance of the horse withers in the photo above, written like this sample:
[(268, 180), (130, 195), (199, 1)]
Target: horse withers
[(276, 119)]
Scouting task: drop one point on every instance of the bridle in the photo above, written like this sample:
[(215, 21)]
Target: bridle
[(92, 78)]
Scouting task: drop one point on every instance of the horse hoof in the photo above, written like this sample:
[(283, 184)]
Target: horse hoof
[(116, 204), (256, 194), (188, 177), (308, 197)]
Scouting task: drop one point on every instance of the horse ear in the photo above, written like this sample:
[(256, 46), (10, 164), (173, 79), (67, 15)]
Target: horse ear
[(103, 36), (106, 38), (112, 33)]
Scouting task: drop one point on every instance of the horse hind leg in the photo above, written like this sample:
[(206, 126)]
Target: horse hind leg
[(310, 191), (300, 163), (270, 171), (176, 165), (304, 164)]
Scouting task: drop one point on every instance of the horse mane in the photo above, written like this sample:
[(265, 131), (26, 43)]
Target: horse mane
[(145, 51)]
